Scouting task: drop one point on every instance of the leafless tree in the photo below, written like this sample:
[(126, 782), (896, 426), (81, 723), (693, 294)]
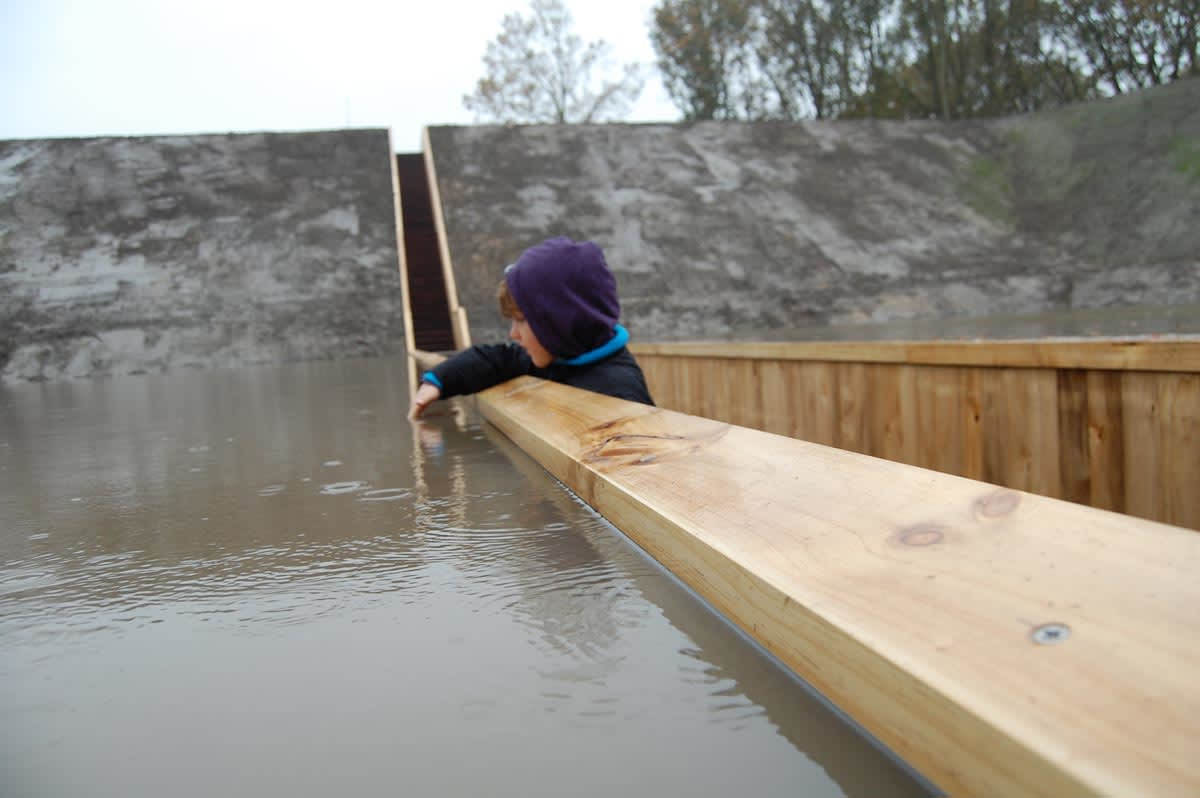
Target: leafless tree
[(537, 71)]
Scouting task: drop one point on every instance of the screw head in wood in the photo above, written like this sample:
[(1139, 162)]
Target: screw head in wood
[(1049, 634)]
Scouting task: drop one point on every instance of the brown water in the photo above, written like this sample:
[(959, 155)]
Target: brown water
[(266, 582)]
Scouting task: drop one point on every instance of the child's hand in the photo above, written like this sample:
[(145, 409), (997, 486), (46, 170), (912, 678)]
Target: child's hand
[(426, 394)]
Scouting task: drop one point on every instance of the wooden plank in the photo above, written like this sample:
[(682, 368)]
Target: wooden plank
[(1106, 440), (1124, 354), (1020, 429), (1142, 428), (911, 599), (1075, 471), (852, 431), (1179, 448), (1161, 415), (778, 411), (1040, 388), (972, 424), (939, 422), (458, 314), (815, 394), (719, 401), (891, 410), (745, 382), (402, 265), (657, 373)]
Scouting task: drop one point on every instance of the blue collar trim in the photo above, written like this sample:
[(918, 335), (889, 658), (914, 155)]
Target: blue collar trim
[(615, 344)]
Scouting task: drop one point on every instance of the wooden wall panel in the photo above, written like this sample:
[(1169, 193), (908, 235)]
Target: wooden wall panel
[(1179, 447), (1106, 440), (1140, 412), (814, 391), (851, 419), (1127, 441), (777, 396), (1161, 414), (939, 423), (972, 421), (1074, 446)]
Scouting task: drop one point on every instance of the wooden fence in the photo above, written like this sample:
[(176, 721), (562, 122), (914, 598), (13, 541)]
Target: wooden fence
[(1114, 424)]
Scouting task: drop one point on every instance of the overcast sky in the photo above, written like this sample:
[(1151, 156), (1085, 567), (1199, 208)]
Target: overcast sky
[(141, 67)]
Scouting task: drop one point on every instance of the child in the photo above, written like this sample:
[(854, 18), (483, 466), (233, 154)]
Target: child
[(562, 302)]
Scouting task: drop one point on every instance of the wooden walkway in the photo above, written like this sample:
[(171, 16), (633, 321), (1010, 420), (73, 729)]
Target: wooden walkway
[(1002, 643)]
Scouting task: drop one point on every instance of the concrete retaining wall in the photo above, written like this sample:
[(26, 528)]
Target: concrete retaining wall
[(129, 255), (721, 230)]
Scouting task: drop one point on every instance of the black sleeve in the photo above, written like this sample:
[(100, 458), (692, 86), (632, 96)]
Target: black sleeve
[(480, 367)]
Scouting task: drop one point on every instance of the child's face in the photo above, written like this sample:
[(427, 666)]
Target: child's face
[(520, 332)]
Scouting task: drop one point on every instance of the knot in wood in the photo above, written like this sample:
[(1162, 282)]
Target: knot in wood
[(920, 535), (996, 504), (646, 448)]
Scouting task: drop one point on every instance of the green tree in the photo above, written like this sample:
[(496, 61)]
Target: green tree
[(949, 59), (972, 58), (538, 71), (705, 55), (825, 59), (1132, 44)]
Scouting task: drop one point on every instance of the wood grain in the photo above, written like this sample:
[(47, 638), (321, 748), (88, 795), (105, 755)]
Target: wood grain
[(910, 597), (1064, 432), (1122, 354), (402, 265), (458, 314)]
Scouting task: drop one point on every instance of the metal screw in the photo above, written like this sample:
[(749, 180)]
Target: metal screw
[(1050, 633)]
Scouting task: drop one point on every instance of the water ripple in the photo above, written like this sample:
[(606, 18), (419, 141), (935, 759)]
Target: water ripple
[(338, 488)]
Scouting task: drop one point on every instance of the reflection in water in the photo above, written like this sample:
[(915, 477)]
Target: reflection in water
[(267, 582)]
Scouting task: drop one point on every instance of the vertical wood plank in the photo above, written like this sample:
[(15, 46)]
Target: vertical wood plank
[(817, 402), (1178, 446), (939, 418), (692, 374), (909, 419), (971, 418), (1105, 441), (1020, 429), (997, 444), (747, 393), (852, 406), (717, 390), (882, 412), (688, 376), (1040, 390), (1074, 448), (1140, 413), (652, 370), (777, 397)]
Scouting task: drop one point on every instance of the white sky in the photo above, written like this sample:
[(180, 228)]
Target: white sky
[(143, 67)]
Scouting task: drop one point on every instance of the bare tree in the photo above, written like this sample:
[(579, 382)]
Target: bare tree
[(538, 71)]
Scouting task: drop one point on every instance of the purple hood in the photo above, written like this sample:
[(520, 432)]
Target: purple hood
[(567, 294)]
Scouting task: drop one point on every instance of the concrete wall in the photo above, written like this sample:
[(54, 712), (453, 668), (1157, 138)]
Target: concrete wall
[(128, 255), (776, 230)]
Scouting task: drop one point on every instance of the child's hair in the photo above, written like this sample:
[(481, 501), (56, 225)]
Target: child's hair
[(508, 305)]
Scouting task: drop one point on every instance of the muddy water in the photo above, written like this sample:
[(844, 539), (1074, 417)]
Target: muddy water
[(266, 582)]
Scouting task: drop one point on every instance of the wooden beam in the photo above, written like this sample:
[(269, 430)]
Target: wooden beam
[(402, 264), (1124, 354), (1000, 642), (458, 314)]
